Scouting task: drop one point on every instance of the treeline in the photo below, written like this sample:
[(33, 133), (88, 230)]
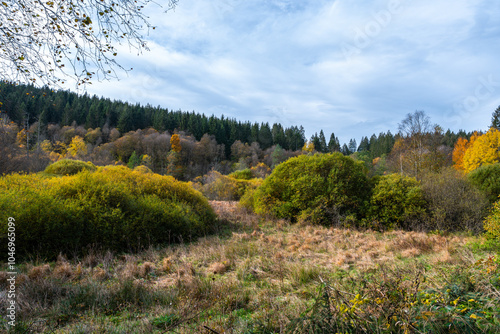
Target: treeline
[(39, 125), (29, 104)]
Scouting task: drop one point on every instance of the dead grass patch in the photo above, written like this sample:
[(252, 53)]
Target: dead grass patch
[(39, 272)]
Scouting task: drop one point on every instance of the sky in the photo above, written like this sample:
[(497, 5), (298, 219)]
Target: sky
[(351, 67)]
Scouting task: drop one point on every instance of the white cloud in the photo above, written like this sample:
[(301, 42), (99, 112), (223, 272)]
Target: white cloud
[(284, 61)]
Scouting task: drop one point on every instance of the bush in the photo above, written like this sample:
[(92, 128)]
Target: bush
[(113, 208), (244, 174), (454, 204), (216, 186), (492, 222), (308, 182), (397, 201), (487, 179), (69, 167)]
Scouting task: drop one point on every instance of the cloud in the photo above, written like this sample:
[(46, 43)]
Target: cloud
[(349, 67)]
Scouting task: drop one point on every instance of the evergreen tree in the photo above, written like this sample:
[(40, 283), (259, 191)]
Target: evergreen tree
[(333, 144), (134, 160), (364, 145), (315, 141), (265, 136), (322, 142), (495, 119), (345, 150), (352, 146)]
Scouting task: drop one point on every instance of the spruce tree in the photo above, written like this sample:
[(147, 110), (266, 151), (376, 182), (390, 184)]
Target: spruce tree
[(322, 142), (495, 119), (333, 144), (352, 145)]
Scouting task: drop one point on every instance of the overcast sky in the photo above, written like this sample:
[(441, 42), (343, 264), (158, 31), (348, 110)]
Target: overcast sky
[(351, 67)]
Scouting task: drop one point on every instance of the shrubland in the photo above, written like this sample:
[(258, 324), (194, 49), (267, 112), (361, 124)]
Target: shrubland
[(110, 208), (269, 276)]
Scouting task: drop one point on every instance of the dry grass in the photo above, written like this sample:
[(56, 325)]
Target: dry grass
[(265, 272)]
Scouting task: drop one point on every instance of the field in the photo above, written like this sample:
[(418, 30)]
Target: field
[(260, 275)]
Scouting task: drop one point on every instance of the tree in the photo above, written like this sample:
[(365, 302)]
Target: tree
[(333, 144), (495, 119), (352, 145), (483, 151), (461, 146), (134, 160), (345, 150), (77, 147), (175, 143), (364, 145), (322, 142), (39, 40), (414, 131)]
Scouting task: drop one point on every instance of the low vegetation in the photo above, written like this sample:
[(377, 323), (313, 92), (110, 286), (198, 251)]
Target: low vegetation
[(261, 276), (112, 208), (312, 185)]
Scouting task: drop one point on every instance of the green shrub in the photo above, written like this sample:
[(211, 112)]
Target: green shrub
[(487, 179), (244, 174), (397, 201), (113, 208), (308, 182), (69, 167), (453, 203), (492, 222)]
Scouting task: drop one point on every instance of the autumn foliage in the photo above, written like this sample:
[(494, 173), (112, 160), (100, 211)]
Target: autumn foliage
[(112, 208), (478, 151)]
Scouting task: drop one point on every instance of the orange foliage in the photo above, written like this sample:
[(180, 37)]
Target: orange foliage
[(461, 146), (175, 142), (483, 150)]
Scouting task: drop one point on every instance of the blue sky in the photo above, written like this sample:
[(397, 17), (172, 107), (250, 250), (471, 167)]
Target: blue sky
[(350, 67)]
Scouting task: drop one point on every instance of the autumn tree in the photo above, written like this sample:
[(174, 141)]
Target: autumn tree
[(174, 167), (461, 146), (45, 41), (308, 147), (459, 150), (77, 148), (483, 151), (175, 143)]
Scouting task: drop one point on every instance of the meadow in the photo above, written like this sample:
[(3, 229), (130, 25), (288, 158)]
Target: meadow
[(262, 275)]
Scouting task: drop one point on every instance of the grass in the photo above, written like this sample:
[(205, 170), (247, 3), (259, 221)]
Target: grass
[(262, 276)]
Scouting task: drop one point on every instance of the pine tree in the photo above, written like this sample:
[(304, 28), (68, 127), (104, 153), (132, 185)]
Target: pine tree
[(333, 144), (495, 119), (364, 145), (345, 150), (322, 142), (352, 146)]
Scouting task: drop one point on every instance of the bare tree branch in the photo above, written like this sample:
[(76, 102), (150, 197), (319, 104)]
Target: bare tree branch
[(44, 42)]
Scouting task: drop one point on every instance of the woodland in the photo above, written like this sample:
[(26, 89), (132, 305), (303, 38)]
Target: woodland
[(137, 219)]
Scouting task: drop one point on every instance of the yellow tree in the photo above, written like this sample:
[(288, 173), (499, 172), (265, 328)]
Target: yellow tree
[(174, 167), (483, 150), (77, 147), (308, 147), (459, 150), (175, 143)]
